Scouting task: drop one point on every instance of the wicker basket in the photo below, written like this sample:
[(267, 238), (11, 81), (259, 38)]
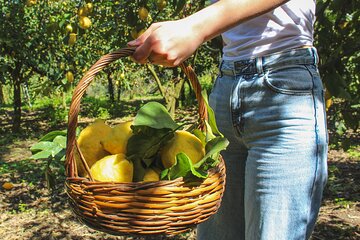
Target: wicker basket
[(138, 208)]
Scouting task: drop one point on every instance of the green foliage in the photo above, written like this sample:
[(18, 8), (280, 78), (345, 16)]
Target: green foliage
[(51, 147), (343, 124), (154, 115), (183, 167), (354, 152), (23, 207), (337, 41), (49, 107)]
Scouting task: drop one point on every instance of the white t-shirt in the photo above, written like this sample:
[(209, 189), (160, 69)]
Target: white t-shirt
[(287, 26)]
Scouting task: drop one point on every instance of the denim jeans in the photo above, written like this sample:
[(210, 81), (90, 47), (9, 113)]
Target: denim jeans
[(271, 109)]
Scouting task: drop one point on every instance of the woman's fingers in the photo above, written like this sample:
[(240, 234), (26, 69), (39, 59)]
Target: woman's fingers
[(166, 43), (143, 44)]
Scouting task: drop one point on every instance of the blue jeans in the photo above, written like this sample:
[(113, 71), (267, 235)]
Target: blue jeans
[(271, 109)]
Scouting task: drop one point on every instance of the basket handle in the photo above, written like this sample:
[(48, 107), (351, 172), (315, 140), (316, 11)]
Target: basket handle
[(83, 84)]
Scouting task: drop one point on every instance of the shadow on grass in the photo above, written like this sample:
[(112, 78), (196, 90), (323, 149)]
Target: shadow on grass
[(343, 182), (30, 187)]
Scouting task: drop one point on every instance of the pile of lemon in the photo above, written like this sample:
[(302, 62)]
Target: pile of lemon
[(104, 149)]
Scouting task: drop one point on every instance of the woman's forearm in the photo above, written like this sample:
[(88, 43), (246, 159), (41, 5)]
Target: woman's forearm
[(222, 15)]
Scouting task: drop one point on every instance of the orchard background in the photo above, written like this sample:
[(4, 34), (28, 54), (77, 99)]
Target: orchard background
[(47, 46)]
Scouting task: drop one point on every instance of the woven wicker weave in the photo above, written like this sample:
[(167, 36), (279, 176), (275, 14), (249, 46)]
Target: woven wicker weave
[(138, 208)]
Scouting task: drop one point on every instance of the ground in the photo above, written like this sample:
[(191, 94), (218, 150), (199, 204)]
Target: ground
[(30, 211)]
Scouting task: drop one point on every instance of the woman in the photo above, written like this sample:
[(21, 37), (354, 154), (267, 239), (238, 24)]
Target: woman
[(268, 102)]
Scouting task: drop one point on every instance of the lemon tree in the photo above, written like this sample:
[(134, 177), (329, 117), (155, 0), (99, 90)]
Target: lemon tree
[(336, 39), (53, 38)]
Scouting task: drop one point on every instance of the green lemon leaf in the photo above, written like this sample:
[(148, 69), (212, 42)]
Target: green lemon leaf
[(61, 141), (213, 149), (209, 133), (42, 154), (51, 135), (146, 142), (139, 170), (200, 135), (43, 146), (56, 150), (154, 115), (183, 167), (164, 174), (211, 115)]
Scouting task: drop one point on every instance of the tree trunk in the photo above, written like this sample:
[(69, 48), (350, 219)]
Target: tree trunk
[(2, 98), (17, 98), (110, 87), (118, 93)]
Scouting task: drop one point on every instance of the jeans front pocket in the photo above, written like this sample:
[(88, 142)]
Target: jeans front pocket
[(293, 80)]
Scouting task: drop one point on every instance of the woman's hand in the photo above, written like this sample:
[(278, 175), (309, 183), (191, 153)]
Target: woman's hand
[(167, 43)]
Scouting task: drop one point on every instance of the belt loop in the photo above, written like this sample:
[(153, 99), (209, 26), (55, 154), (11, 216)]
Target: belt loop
[(220, 68), (259, 64), (233, 68), (315, 55)]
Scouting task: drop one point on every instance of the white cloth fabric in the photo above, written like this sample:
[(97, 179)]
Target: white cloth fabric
[(287, 26)]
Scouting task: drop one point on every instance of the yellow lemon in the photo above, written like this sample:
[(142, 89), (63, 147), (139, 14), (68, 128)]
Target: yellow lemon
[(8, 186), (151, 175), (116, 141), (89, 143), (185, 142), (72, 39), (143, 13), (328, 103), (113, 168), (70, 76), (328, 100), (161, 4), (83, 11), (89, 7), (134, 33), (30, 2), (69, 28), (84, 22)]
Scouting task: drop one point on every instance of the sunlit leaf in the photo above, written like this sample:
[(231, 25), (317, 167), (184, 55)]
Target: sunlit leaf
[(51, 135)]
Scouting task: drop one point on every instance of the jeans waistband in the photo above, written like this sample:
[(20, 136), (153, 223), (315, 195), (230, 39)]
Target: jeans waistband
[(261, 64)]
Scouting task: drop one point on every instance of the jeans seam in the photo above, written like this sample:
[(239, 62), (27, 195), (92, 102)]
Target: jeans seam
[(317, 153)]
